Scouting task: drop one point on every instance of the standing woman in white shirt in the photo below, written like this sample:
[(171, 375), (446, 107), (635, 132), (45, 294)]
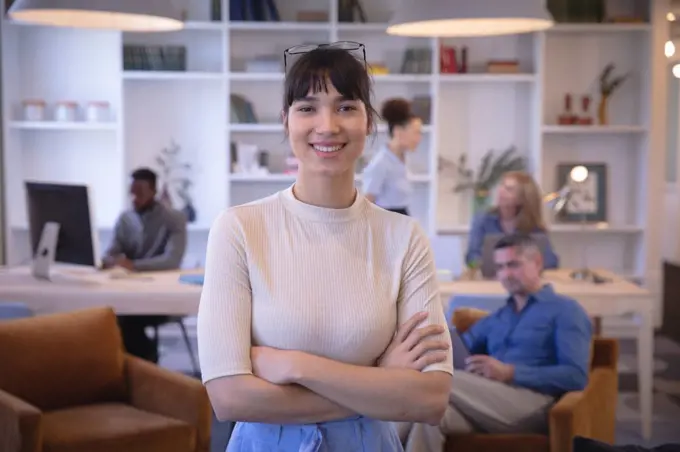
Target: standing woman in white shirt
[(304, 290), (385, 177)]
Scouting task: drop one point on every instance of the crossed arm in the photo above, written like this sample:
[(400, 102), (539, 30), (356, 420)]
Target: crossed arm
[(278, 386)]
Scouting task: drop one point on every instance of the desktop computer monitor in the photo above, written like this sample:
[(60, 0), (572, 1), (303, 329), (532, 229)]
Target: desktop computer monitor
[(61, 224)]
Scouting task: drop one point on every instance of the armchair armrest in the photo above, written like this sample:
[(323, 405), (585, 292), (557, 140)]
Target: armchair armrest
[(590, 413), (20, 425), (170, 394)]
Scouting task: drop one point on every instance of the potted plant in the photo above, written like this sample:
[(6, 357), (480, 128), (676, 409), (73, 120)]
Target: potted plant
[(608, 84), (488, 175)]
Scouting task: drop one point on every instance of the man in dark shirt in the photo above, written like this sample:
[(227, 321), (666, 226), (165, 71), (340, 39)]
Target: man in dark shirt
[(523, 357), (148, 237)]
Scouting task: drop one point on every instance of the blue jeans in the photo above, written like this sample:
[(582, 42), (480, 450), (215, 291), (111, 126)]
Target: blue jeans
[(357, 434)]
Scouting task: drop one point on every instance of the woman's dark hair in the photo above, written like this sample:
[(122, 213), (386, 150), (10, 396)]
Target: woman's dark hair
[(397, 112), (313, 69)]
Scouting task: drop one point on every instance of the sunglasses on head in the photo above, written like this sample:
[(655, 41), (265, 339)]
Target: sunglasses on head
[(349, 46)]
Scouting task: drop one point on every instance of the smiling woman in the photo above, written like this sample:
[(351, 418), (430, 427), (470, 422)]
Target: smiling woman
[(304, 290)]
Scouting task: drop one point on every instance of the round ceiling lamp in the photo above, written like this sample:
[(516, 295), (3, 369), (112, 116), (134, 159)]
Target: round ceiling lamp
[(124, 15), (450, 18)]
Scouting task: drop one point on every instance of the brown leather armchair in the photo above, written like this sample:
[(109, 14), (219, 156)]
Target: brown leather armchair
[(590, 413), (67, 385)]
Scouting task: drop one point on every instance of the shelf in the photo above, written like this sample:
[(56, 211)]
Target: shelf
[(56, 125), (108, 227), (362, 27), (256, 128), (594, 129), (385, 78), (290, 178), (599, 28), (486, 78), (275, 128), (265, 178), (403, 78), (426, 128), (594, 229), (205, 25), (558, 228), (454, 230), (278, 26), (172, 75), (256, 76)]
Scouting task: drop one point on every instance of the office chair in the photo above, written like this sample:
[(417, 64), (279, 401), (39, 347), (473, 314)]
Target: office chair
[(180, 321)]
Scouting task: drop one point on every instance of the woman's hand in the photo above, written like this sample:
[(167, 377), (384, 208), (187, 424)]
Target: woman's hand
[(410, 346), (274, 365)]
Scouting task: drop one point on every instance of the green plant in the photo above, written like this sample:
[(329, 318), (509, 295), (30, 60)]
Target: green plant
[(489, 173), (609, 83)]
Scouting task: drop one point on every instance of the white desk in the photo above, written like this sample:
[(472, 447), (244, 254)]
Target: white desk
[(161, 293), (157, 293), (614, 298)]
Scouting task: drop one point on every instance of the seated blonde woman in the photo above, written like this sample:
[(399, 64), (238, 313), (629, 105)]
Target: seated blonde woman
[(518, 208)]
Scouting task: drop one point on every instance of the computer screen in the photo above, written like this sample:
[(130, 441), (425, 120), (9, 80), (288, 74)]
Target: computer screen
[(70, 207)]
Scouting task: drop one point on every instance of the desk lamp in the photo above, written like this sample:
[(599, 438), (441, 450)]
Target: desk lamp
[(557, 201)]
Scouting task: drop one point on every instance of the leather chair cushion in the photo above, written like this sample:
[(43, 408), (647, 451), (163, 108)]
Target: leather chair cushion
[(114, 427)]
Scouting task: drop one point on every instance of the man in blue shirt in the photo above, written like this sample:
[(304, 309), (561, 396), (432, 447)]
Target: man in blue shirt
[(523, 357)]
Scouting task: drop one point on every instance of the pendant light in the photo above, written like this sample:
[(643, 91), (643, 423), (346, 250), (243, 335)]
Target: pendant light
[(449, 18), (124, 15)]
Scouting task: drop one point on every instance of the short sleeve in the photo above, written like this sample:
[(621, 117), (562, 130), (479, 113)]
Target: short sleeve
[(224, 312), (373, 177), (420, 291)]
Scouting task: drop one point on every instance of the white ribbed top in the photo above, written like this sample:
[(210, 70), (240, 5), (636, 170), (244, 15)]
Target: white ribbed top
[(332, 282)]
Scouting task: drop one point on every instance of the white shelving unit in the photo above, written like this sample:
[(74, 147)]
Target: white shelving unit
[(471, 113)]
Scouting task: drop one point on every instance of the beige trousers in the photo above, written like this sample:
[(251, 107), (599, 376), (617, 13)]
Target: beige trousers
[(477, 404)]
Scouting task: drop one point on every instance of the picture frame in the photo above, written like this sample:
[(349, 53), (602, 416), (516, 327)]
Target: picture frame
[(588, 201)]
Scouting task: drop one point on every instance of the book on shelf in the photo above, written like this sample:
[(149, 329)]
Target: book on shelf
[(154, 58), (253, 10), (241, 110), (417, 61), (349, 10)]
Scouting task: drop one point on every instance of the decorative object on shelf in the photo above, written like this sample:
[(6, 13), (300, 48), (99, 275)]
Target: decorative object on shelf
[(577, 11), (588, 199), (348, 10), (585, 118), (575, 179), (65, 111), (378, 69), (254, 10), (97, 111), (437, 18), (608, 85), (502, 67), (175, 181), (448, 63), (241, 110), (154, 58), (247, 159), (125, 15), (33, 109), (312, 16), (488, 175), (567, 116), (216, 10)]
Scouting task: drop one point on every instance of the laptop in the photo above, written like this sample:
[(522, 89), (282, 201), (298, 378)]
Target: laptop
[(460, 350), (488, 266)]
